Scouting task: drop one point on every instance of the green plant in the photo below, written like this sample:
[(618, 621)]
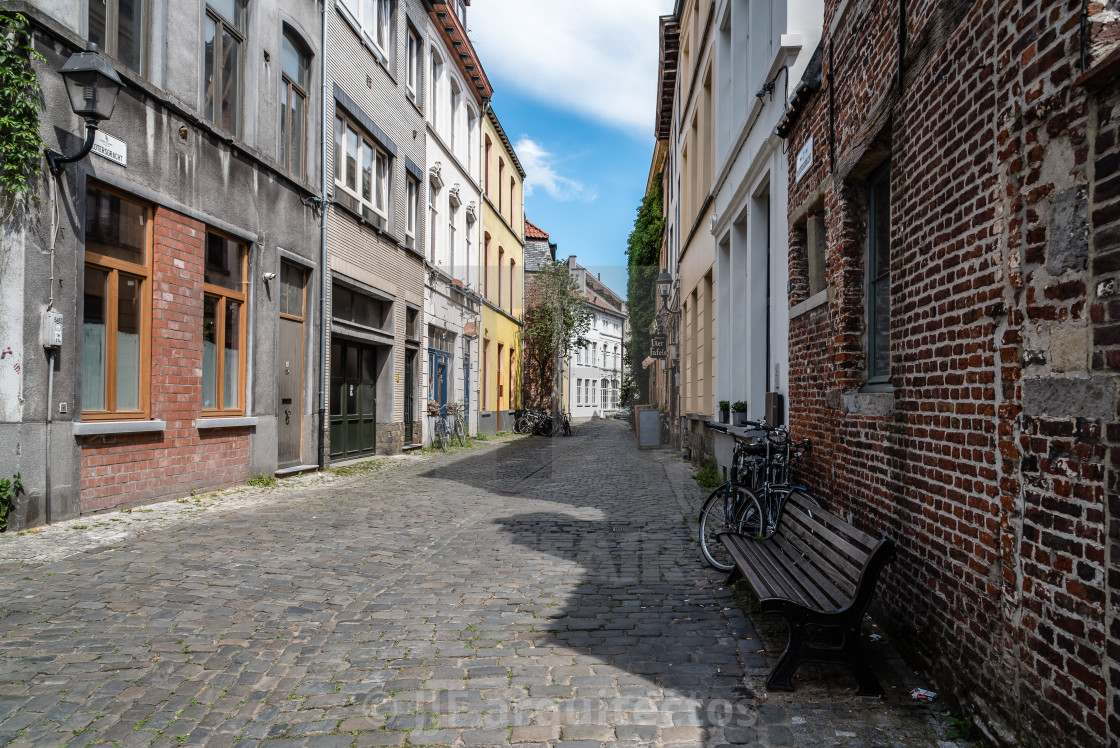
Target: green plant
[(9, 490), (708, 474), (21, 148), (263, 480), (724, 405), (739, 406), (959, 728)]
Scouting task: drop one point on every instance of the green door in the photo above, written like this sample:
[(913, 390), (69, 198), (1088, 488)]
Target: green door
[(353, 400)]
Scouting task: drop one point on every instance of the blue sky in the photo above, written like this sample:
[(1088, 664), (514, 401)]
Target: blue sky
[(575, 89)]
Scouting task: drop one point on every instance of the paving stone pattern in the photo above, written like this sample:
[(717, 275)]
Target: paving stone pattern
[(530, 592)]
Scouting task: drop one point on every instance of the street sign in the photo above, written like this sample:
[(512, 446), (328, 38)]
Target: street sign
[(658, 345)]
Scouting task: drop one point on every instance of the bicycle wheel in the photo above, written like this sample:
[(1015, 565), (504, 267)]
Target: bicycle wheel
[(460, 434), (719, 517), (522, 426)]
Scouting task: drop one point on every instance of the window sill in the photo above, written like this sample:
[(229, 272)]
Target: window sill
[(820, 298), (101, 428), (227, 422), (876, 403)]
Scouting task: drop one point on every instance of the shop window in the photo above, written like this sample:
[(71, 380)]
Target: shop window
[(356, 308), (223, 326), (116, 307)]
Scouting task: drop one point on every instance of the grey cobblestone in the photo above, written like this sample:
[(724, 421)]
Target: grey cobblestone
[(531, 592)]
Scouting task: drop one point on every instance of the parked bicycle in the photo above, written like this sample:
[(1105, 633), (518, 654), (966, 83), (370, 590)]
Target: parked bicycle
[(446, 425), (759, 484)]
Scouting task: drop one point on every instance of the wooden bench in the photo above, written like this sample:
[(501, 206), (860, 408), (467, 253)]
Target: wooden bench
[(816, 570)]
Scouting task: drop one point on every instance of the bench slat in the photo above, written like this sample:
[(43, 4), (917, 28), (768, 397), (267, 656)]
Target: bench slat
[(838, 591), (841, 572), (798, 500), (774, 575), (853, 558)]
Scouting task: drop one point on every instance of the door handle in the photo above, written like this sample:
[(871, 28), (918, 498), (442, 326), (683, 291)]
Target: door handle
[(287, 416)]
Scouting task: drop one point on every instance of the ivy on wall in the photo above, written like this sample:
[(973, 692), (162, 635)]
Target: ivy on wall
[(21, 148)]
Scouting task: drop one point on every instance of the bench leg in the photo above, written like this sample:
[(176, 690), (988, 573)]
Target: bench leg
[(781, 677), (860, 664)]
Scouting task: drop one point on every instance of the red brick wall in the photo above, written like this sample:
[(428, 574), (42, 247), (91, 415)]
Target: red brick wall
[(996, 503), (127, 469)]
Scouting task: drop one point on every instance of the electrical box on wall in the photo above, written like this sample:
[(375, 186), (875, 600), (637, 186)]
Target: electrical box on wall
[(50, 334)]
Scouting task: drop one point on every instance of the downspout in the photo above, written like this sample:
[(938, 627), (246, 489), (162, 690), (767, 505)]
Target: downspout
[(831, 115), (1084, 20), (50, 358), (324, 199)]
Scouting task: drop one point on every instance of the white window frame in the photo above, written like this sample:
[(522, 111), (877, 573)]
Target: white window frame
[(380, 173), (375, 18), (412, 72), (412, 209)]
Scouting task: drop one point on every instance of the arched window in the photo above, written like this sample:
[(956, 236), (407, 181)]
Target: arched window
[(295, 67)]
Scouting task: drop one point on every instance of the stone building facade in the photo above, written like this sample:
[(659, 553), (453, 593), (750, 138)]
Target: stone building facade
[(169, 373), (954, 340)]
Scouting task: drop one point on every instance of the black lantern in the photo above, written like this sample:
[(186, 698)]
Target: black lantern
[(665, 287), (92, 85)]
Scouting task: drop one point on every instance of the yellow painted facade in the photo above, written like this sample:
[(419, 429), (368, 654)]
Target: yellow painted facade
[(502, 250)]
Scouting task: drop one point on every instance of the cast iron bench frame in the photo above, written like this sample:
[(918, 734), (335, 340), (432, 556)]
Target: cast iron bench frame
[(816, 570)]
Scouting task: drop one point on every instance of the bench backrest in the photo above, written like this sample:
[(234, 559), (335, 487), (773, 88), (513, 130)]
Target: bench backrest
[(838, 554)]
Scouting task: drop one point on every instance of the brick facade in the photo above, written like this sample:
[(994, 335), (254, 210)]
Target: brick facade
[(133, 468), (988, 455)]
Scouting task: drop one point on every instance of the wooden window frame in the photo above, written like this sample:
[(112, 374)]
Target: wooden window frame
[(303, 291), (501, 255), (223, 294), (114, 267), (498, 378), (485, 374)]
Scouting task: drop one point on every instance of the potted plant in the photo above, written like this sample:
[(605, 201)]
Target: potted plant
[(724, 408), (740, 409)]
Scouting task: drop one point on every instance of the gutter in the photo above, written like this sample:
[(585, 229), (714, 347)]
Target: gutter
[(324, 202)]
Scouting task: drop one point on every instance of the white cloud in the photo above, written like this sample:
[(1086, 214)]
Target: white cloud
[(596, 57), (540, 167)]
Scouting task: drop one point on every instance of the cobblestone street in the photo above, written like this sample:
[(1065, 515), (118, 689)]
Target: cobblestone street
[(528, 592)]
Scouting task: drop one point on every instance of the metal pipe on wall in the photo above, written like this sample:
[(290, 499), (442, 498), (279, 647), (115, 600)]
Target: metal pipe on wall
[(323, 203)]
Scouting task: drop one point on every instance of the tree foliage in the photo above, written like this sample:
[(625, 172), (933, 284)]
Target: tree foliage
[(556, 321), (21, 148), (643, 252)]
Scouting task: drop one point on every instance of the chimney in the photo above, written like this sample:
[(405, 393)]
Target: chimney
[(599, 275)]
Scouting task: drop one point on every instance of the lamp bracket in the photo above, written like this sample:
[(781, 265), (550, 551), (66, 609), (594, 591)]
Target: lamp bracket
[(56, 160)]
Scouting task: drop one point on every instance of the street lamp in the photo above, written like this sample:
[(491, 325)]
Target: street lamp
[(92, 86)]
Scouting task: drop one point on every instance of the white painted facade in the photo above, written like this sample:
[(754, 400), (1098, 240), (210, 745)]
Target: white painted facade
[(451, 209), (594, 374), (760, 47)]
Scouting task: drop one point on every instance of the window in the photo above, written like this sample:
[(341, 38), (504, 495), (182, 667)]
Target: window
[(579, 392), (486, 166), (376, 19), (412, 200), (512, 273), (433, 88), (223, 326), (512, 185), (451, 242), (501, 178), (499, 370), (456, 101), (412, 74), (604, 396), (815, 243), (485, 374), (292, 278), (356, 308), (223, 35), (486, 266), (472, 125), (433, 216), (118, 27), (412, 323), (878, 277), (295, 65), (116, 307), (361, 172), (501, 258), (512, 394), (579, 356)]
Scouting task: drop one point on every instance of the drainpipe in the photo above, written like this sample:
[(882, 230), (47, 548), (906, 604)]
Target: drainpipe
[(323, 203)]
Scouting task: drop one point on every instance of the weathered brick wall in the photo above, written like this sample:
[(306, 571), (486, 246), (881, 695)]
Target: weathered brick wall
[(133, 468), (987, 461)]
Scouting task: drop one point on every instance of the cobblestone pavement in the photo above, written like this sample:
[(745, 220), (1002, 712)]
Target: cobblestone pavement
[(529, 592)]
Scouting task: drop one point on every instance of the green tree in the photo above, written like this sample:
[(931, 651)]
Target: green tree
[(556, 321), (643, 252), (21, 148)]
